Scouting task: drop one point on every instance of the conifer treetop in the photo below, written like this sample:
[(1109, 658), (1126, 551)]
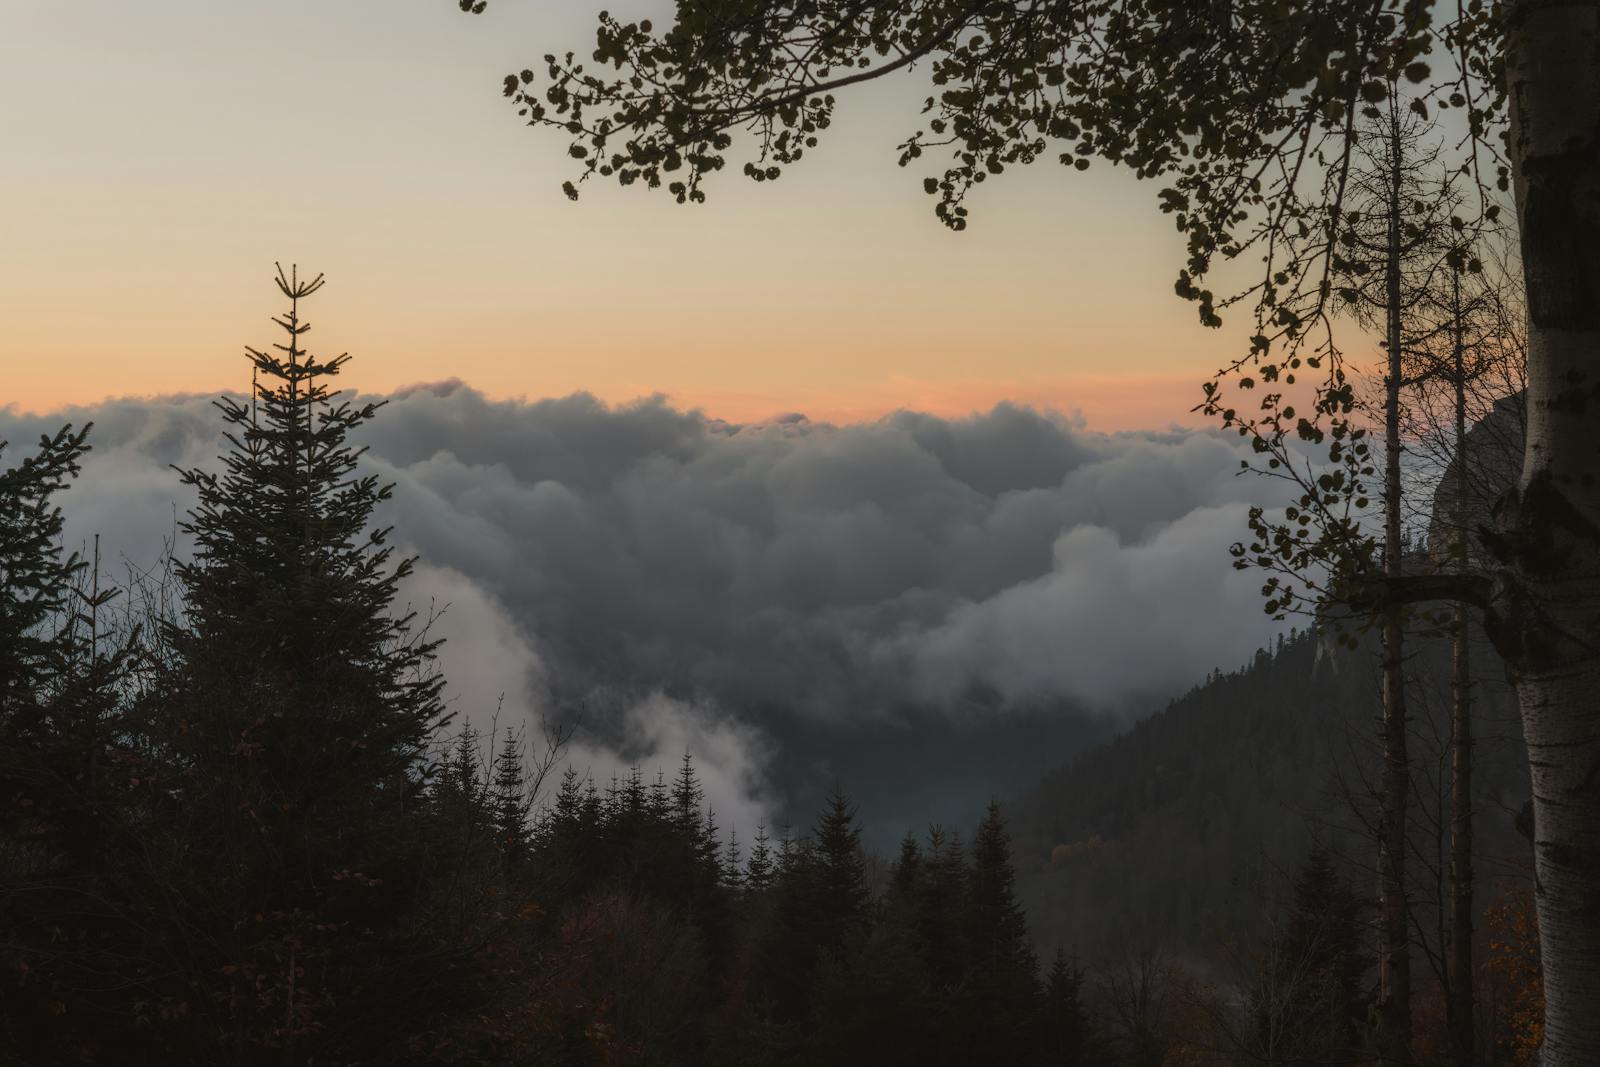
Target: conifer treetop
[(293, 587)]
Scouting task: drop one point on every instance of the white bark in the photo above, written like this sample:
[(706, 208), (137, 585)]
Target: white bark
[(1546, 617)]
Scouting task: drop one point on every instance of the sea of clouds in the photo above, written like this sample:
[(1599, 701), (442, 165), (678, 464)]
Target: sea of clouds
[(694, 584)]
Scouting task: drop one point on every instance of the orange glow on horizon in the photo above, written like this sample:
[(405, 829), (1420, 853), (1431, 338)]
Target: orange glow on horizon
[(1106, 405), (147, 211)]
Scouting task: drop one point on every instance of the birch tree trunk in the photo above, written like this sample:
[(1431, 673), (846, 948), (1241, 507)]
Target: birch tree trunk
[(1546, 611)]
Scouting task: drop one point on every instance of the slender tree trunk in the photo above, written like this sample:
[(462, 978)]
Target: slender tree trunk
[(1395, 955), (1462, 1036), (1546, 617)]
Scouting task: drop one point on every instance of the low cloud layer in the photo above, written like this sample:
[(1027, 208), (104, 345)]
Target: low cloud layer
[(785, 573)]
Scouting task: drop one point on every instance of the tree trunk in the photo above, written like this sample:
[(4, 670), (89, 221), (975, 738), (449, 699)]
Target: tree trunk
[(1395, 955), (1546, 614), (1462, 1038)]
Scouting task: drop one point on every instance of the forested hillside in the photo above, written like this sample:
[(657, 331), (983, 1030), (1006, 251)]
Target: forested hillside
[(1185, 826)]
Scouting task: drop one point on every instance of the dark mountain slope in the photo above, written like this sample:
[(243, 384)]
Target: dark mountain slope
[(1180, 827)]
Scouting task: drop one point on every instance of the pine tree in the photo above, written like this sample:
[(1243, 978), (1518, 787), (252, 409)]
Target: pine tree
[(905, 879), (296, 706), (60, 728), (707, 842), (732, 874), (459, 782), (758, 872), (567, 815), (508, 796), (687, 798), (570, 832), (999, 930), (36, 580), (659, 803), (841, 871), (1002, 984), (1065, 1022), (56, 685), (940, 912), (288, 630), (1310, 1002)]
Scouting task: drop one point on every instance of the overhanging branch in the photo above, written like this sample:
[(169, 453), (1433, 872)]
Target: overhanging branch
[(1380, 594)]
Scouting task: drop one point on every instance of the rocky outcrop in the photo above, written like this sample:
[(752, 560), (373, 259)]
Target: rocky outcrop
[(1493, 457)]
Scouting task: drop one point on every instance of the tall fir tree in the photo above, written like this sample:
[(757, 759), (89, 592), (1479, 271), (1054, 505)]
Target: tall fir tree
[(510, 799), (1066, 1026), (939, 912), (290, 597), (687, 798), (906, 876), (1001, 989), (36, 578), (59, 729), (732, 860), (1310, 1001), (457, 788), (841, 870), (758, 871), (297, 709), (1327, 939), (53, 679)]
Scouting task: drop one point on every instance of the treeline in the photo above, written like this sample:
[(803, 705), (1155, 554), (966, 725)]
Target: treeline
[(238, 825), (621, 927)]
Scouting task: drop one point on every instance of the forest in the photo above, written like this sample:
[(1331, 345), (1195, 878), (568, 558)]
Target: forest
[(242, 826), (246, 830)]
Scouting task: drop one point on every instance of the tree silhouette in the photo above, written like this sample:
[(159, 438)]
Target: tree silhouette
[(296, 707), (1001, 991), (36, 577), (292, 585)]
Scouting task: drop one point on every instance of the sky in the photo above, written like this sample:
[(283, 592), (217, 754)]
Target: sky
[(158, 158)]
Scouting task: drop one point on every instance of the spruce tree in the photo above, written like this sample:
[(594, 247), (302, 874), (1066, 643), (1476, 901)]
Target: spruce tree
[(508, 796), (296, 708), (707, 846), (1002, 984), (59, 707), (36, 578), (905, 879), (52, 681), (940, 912), (289, 597), (758, 871), (457, 788), (999, 932), (687, 797), (1065, 1024), (841, 870), (1326, 945), (732, 873), (567, 813)]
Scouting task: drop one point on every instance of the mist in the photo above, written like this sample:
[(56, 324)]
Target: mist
[(795, 602)]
